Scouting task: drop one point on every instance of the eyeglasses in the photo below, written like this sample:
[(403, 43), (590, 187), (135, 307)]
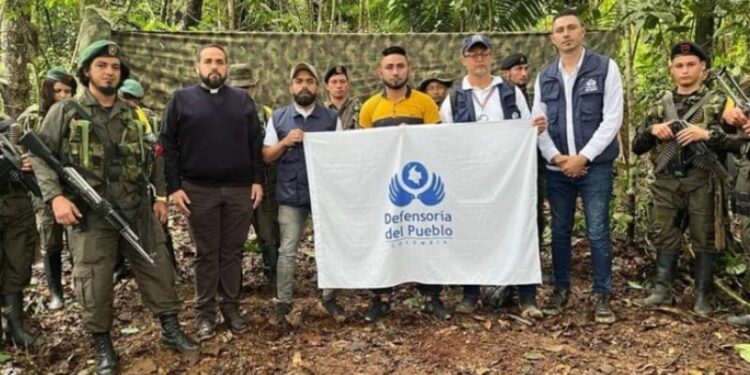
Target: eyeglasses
[(477, 55)]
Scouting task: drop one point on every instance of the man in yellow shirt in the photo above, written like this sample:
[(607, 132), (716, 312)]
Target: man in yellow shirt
[(399, 104)]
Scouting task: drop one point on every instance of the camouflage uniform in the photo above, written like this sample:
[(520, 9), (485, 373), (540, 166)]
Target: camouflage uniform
[(94, 243), (685, 195), (50, 233), (18, 241), (348, 114)]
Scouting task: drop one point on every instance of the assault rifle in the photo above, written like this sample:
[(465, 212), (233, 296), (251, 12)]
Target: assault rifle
[(70, 176), (10, 158), (701, 156)]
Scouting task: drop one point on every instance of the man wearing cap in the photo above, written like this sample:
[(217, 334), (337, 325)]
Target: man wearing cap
[(133, 93), (484, 97), (283, 143), (399, 104), (684, 188), (57, 85), (214, 174), (436, 88), (266, 216), (119, 177), (581, 95), (337, 86), (515, 69)]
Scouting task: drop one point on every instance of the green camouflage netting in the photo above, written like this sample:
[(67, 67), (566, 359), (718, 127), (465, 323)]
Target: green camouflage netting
[(163, 61)]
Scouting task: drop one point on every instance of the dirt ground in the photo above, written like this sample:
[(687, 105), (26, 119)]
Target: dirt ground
[(665, 341)]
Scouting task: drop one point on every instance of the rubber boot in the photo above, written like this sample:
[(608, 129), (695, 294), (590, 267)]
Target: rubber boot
[(704, 279), (53, 273), (14, 304), (666, 266), (106, 358)]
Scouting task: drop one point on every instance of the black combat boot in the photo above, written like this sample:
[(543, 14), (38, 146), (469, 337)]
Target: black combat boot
[(666, 265), (106, 358), (14, 304), (173, 337), (704, 278), (53, 272)]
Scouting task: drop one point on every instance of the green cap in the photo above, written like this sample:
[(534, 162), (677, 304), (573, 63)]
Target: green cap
[(132, 87), (58, 73), (241, 75), (96, 49)]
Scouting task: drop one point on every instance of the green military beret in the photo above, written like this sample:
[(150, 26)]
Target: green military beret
[(58, 73), (132, 87), (96, 49)]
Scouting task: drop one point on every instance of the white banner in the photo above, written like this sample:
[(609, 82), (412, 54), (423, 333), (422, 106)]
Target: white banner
[(435, 204)]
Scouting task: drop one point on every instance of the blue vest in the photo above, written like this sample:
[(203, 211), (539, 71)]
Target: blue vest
[(291, 183), (588, 102), (462, 103)]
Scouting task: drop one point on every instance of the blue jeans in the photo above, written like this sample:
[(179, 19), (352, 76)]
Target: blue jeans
[(595, 189)]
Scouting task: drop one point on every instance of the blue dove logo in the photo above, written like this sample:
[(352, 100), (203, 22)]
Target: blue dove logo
[(414, 178)]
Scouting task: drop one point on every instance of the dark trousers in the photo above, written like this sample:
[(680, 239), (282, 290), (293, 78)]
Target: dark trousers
[(219, 221), (595, 189)]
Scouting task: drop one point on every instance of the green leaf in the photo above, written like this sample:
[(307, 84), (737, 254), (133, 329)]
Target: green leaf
[(5, 357), (744, 351)]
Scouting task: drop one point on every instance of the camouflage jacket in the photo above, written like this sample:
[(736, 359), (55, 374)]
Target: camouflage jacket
[(62, 132), (349, 113), (708, 117)]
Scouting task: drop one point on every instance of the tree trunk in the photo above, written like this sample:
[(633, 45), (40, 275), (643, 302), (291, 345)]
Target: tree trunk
[(164, 12), (17, 45), (231, 15), (631, 173), (705, 26), (193, 14)]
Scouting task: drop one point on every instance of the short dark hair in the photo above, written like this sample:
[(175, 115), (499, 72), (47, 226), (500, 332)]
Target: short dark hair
[(124, 72), (567, 12), (394, 50), (211, 45)]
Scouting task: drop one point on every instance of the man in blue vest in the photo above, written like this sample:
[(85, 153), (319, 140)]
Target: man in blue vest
[(581, 95), (283, 143), (482, 96)]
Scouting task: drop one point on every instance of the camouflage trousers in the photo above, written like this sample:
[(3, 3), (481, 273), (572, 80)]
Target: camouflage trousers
[(742, 203), (18, 241), (682, 203), (95, 251), (50, 233)]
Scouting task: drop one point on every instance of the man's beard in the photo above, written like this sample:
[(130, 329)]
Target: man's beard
[(106, 90), (213, 80), (395, 85), (304, 98)]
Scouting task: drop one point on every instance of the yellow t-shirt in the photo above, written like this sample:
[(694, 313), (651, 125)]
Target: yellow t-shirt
[(414, 108)]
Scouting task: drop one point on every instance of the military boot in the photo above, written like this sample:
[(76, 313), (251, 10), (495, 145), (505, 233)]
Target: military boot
[(14, 304), (666, 265), (704, 278), (173, 337), (53, 273), (106, 358)]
